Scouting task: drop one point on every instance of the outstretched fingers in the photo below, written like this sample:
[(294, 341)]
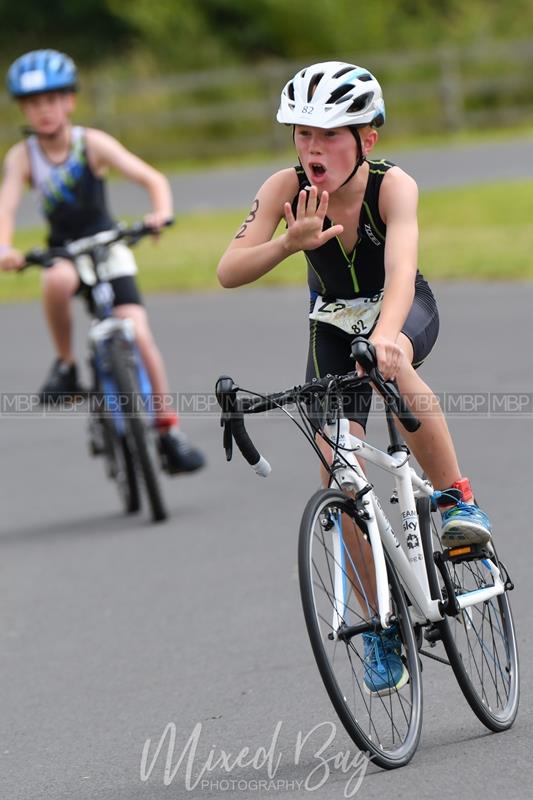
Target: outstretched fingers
[(289, 216), (330, 233), (306, 226), (323, 205), (301, 208)]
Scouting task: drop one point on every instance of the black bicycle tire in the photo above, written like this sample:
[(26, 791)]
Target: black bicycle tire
[(131, 498), (377, 754), (115, 446), (120, 354), (494, 722)]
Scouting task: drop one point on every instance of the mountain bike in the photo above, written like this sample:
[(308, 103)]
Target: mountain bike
[(360, 580), (121, 419)]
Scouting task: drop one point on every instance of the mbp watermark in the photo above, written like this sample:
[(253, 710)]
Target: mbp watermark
[(309, 756), (461, 405)]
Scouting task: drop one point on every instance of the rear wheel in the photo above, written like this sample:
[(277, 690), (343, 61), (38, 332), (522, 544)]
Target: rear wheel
[(334, 585), (480, 640)]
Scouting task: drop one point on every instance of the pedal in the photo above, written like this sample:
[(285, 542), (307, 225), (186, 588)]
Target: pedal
[(467, 552)]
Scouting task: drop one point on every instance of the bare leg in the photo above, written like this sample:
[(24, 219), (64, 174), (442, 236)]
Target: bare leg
[(431, 444), (359, 550), (150, 354), (59, 284)]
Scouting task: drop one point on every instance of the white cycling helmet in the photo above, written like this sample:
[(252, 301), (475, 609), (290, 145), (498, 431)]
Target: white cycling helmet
[(330, 95)]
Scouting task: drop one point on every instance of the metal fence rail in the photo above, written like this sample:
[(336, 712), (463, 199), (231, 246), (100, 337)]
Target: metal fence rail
[(232, 111)]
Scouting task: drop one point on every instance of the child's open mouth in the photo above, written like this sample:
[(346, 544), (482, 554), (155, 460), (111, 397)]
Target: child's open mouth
[(317, 170)]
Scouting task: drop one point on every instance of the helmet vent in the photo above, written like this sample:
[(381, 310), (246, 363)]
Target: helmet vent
[(313, 83), (366, 77), (340, 93), (360, 102), (344, 70)]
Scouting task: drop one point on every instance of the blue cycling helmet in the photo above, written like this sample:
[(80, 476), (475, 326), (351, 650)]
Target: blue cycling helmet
[(41, 71)]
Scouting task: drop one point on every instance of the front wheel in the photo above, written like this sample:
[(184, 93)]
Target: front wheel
[(106, 441), (480, 641), (336, 585), (138, 437), (121, 467)]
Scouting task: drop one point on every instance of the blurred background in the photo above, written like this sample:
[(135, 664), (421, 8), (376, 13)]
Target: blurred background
[(182, 79), (195, 86)]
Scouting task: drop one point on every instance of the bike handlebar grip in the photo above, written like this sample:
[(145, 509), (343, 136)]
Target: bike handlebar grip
[(252, 455), (410, 422), (38, 257), (406, 416), (143, 228), (364, 353)]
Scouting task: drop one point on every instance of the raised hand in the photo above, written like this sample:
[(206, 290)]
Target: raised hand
[(304, 232)]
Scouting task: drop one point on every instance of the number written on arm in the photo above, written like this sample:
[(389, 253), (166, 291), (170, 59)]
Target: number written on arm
[(250, 218)]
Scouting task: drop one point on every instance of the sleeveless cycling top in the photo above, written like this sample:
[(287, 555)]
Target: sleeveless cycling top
[(73, 198), (333, 273)]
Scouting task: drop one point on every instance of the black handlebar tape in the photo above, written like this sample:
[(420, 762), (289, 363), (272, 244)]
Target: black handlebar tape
[(410, 422), (364, 353), (233, 421), (242, 439), (247, 447), (39, 257)]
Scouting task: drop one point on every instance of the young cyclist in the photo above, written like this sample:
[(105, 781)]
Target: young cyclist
[(66, 164), (356, 221)]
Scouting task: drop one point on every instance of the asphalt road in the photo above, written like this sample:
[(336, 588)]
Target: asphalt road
[(222, 188), (111, 628)]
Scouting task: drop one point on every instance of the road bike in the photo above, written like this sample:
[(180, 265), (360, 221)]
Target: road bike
[(360, 579), (121, 418)]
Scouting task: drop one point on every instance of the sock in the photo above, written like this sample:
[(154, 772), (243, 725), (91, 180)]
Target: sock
[(461, 490), (164, 422)]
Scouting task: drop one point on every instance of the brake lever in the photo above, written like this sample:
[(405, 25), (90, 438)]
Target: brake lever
[(227, 437), (226, 394)]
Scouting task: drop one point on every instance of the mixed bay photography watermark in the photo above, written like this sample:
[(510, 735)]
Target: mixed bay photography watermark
[(304, 761), (463, 405)]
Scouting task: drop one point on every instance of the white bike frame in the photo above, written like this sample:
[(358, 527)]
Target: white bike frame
[(411, 569)]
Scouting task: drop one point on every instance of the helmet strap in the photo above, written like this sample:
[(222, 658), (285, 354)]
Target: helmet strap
[(361, 158)]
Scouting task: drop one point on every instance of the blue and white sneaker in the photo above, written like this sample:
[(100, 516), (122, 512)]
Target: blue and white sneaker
[(465, 523), (385, 671)]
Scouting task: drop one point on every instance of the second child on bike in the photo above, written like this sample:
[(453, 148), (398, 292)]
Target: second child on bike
[(67, 165)]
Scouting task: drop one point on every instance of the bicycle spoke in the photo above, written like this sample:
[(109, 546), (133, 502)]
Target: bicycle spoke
[(480, 645), (386, 717)]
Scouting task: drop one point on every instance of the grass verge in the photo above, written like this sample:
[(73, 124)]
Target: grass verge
[(481, 232)]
